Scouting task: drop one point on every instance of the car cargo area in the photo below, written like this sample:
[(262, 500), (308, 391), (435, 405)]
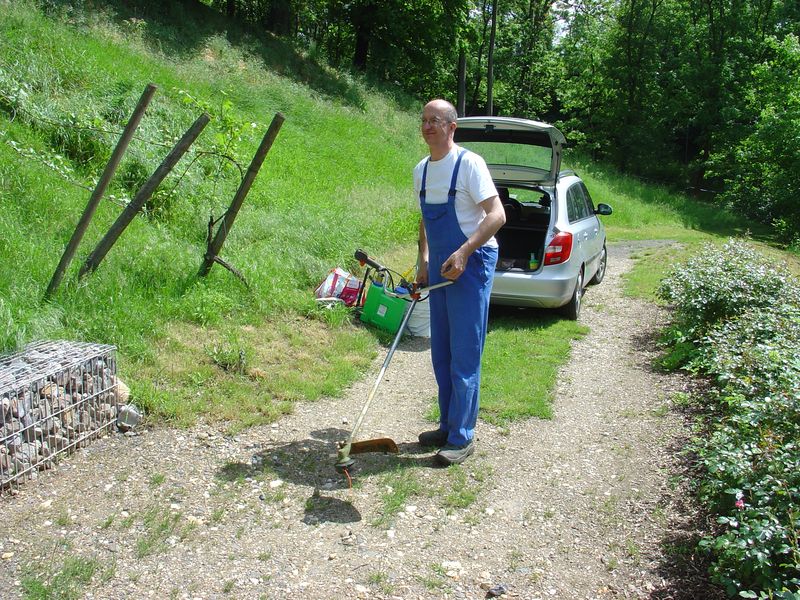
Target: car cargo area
[(521, 240)]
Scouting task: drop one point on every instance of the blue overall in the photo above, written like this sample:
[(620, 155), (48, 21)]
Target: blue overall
[(459, 314)]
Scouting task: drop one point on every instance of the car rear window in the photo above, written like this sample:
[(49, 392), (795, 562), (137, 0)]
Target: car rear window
[(504, 153)]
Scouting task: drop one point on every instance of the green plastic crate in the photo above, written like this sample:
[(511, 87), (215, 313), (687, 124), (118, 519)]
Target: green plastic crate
[(384, 311)]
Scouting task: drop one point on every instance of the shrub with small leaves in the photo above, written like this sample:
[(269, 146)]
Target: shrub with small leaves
[(718, 284), (756, 353), (740, 315)]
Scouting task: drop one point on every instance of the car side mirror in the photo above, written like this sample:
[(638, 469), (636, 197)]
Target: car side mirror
[(603, 209)]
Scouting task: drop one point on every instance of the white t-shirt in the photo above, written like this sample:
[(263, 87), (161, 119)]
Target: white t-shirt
[(473, 185)]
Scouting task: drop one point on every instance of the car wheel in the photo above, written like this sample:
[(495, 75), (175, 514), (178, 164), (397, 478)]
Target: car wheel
[(573, 308), (601, 268)]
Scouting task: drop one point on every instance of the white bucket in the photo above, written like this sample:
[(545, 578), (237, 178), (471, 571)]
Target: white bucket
[(419, 323)]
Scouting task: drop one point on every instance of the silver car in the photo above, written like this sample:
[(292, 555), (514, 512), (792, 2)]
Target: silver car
[(553, 243)]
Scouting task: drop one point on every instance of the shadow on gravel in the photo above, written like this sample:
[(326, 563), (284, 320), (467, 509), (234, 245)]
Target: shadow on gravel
[(310, 462), (685, 574), (408, 343), (327, 509), (683, 568)]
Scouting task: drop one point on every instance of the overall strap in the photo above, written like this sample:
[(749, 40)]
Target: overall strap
[(424, 177), (451, 195)]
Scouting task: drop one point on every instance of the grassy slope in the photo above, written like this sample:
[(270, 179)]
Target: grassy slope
[(337, 178)]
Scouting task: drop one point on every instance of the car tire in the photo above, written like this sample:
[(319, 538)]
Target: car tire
[(572, 309), (601, 268)]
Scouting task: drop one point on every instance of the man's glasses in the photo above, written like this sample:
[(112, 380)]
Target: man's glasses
[(434, 122)]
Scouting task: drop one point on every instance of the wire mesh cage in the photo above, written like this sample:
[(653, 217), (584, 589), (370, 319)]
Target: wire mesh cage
[(55, 397)]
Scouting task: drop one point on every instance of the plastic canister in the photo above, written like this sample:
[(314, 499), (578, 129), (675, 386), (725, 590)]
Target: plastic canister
[(383, 311)]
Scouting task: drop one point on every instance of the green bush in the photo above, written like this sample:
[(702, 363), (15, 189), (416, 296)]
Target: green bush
[(756, 353), (718, 284), (752, 482), (742, 315), (760, 165)]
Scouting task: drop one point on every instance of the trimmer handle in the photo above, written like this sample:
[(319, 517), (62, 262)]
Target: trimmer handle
[(362, 257), (416, 290)]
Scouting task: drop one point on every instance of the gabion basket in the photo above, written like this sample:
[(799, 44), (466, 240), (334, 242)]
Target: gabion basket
[(55, 397)]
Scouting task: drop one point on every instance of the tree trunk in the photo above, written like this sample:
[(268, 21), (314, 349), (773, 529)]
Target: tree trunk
[(462, 82), (477, 87), (362, 48), (363, 20), (279, 17), (490, 69)]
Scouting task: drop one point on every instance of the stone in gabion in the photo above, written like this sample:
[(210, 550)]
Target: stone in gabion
[(54, 397)]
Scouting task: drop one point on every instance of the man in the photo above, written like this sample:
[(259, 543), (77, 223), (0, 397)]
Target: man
[(461, 212)]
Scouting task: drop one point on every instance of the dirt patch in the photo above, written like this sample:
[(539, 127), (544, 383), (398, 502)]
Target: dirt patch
[(582, 506)]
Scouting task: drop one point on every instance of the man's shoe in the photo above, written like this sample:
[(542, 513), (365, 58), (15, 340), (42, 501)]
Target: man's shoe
[(454, 455), (436, 438)]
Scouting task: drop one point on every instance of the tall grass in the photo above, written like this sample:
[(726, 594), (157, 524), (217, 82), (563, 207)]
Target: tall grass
[(337, 178)]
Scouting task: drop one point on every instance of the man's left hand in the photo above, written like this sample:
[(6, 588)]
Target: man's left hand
[(454, 266)]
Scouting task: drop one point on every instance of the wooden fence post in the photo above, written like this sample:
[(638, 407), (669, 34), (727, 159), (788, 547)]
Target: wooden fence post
[(100, 189), (143, 195), (244, 188)]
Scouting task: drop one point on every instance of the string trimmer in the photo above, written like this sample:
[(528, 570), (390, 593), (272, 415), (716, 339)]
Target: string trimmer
[(349, 447)]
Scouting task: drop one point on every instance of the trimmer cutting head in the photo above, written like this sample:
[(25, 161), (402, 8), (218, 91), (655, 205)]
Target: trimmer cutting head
[(344, 461)]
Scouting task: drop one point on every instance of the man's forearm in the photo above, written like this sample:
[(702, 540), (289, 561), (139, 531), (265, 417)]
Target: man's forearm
[(488, 227), (491, 224)]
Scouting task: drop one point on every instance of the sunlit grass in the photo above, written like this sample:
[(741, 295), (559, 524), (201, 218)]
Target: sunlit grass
[(309, 208), (524, 350), (397, 488), (69, 582)]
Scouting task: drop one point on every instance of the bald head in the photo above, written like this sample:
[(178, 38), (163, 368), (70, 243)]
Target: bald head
[(444, 109)]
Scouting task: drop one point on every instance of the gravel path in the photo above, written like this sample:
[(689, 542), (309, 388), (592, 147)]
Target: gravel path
[(576, 507)]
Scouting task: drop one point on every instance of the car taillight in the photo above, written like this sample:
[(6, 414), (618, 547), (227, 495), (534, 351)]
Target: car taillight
[(559, 249)]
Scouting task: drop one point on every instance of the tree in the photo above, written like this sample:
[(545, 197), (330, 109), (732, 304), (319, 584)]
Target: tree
[(679, 90), (762, 170)]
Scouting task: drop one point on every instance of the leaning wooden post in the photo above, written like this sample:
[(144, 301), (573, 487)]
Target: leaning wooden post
[(143, 195), (100, 189), (236, 204)]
